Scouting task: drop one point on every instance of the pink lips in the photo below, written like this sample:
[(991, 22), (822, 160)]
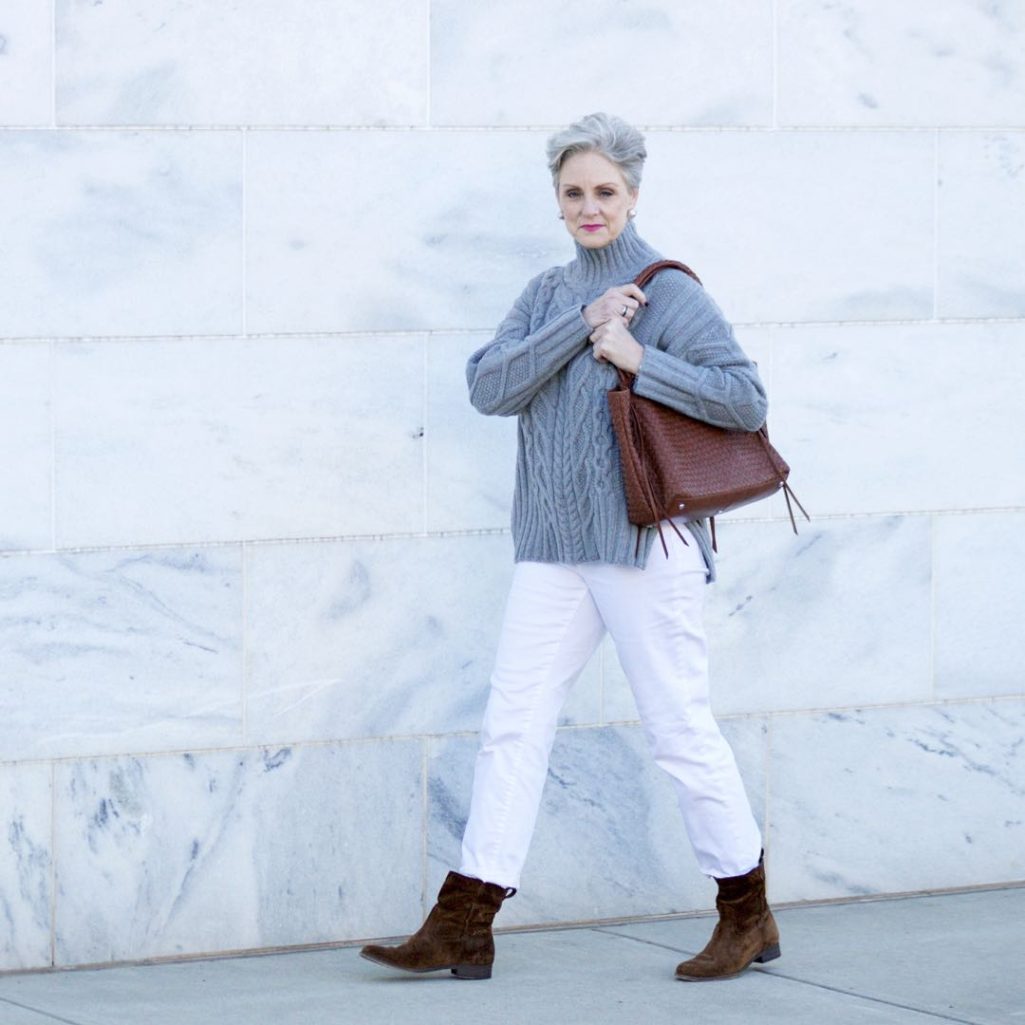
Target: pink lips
[(593, 227)]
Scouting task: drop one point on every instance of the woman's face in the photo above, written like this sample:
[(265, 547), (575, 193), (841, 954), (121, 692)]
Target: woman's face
[(594, 198)]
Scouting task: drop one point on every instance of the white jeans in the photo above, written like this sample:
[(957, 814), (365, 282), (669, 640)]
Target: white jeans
[(556, 616)]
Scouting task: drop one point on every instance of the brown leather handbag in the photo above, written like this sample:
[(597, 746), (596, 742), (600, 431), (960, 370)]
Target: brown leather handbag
[(674, 465)]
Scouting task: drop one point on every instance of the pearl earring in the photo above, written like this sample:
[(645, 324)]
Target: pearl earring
[(631, 214)]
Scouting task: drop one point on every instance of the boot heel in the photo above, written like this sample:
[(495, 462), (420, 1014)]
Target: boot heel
[(472, 971), (770, 953)]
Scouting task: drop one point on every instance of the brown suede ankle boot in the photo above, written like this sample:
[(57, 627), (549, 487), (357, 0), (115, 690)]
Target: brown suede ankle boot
[(746, 931), (456, 935)]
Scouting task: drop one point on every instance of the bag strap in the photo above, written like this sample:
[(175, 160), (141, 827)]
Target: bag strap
[(653, 268), (626, 382), (626, 378)]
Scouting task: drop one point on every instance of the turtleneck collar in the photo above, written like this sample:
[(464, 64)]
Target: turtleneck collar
[(621, 260)]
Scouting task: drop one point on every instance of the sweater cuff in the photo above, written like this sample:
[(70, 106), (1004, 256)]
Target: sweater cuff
[(669, 380), (557, 340)]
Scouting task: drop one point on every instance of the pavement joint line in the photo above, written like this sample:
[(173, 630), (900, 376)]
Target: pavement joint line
[(650, 943), (776, 974), (938, 1015), (36, 1010)]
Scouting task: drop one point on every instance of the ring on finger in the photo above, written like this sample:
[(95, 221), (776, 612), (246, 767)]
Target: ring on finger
[(624, 310)]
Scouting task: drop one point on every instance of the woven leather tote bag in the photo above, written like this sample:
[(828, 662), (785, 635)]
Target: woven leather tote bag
[(674, 465)]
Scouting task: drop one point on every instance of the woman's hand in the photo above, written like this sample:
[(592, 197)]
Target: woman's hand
[(613, 343), (618, 303)]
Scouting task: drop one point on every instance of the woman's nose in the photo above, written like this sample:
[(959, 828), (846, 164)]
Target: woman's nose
[(590, 205)]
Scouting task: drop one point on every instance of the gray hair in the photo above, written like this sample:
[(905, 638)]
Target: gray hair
[(600, 133)]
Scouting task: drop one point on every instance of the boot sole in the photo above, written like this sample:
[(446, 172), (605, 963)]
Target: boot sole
[(770, 953), (459, 971)]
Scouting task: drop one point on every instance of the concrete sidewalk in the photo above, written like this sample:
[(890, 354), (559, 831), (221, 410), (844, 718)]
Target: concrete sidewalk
[(944, 958)]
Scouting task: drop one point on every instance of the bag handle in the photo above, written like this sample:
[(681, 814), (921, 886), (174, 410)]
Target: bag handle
[(653, 268), (626, 378)]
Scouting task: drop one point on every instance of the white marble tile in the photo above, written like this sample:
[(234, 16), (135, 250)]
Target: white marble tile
[(229, 439), (981, 261), (837, 616), (892, 800), (25, 866), (251, 63), (120, 233), (471, 459), (866, 63), (226, 851), (980, 597), (901, 417), (26, 449), (377, 638), (26, 63), (609, 839), (804, 622), (355, 231), (663, 62), (797, 226), (120, 651)]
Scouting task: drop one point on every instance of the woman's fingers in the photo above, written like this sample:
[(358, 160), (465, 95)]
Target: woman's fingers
[(622, 301), (610, 331), (631, 291), (613, 343), (625, 300)]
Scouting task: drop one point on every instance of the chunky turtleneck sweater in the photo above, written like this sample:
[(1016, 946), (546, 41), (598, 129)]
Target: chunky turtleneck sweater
[(568, 504)]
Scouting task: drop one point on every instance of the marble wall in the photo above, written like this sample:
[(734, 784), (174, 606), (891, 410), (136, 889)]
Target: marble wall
[(254, 541)]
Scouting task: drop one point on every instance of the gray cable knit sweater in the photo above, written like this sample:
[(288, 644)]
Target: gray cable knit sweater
[(569, 505)]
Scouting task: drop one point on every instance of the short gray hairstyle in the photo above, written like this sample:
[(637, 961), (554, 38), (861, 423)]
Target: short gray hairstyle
[(600, 133)]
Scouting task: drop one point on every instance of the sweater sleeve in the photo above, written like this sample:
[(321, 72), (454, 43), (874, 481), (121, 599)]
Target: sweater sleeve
[(696, 365), (504, 375)]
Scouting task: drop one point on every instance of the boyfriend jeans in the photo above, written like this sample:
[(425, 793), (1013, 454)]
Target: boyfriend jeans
[(555, 618)]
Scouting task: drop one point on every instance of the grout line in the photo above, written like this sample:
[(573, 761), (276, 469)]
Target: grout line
[(244, 691), (425, 808), (53, 63), (933, 547), (397, 333), (775, 65), (405, 738), (936, 228), (536, 129), (767, 790), (425, 436), (53, 864), (245, 233), (52, 400), (482, 532), (428, 111)]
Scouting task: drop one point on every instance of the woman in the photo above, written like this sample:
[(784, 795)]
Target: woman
[(580, 569)]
